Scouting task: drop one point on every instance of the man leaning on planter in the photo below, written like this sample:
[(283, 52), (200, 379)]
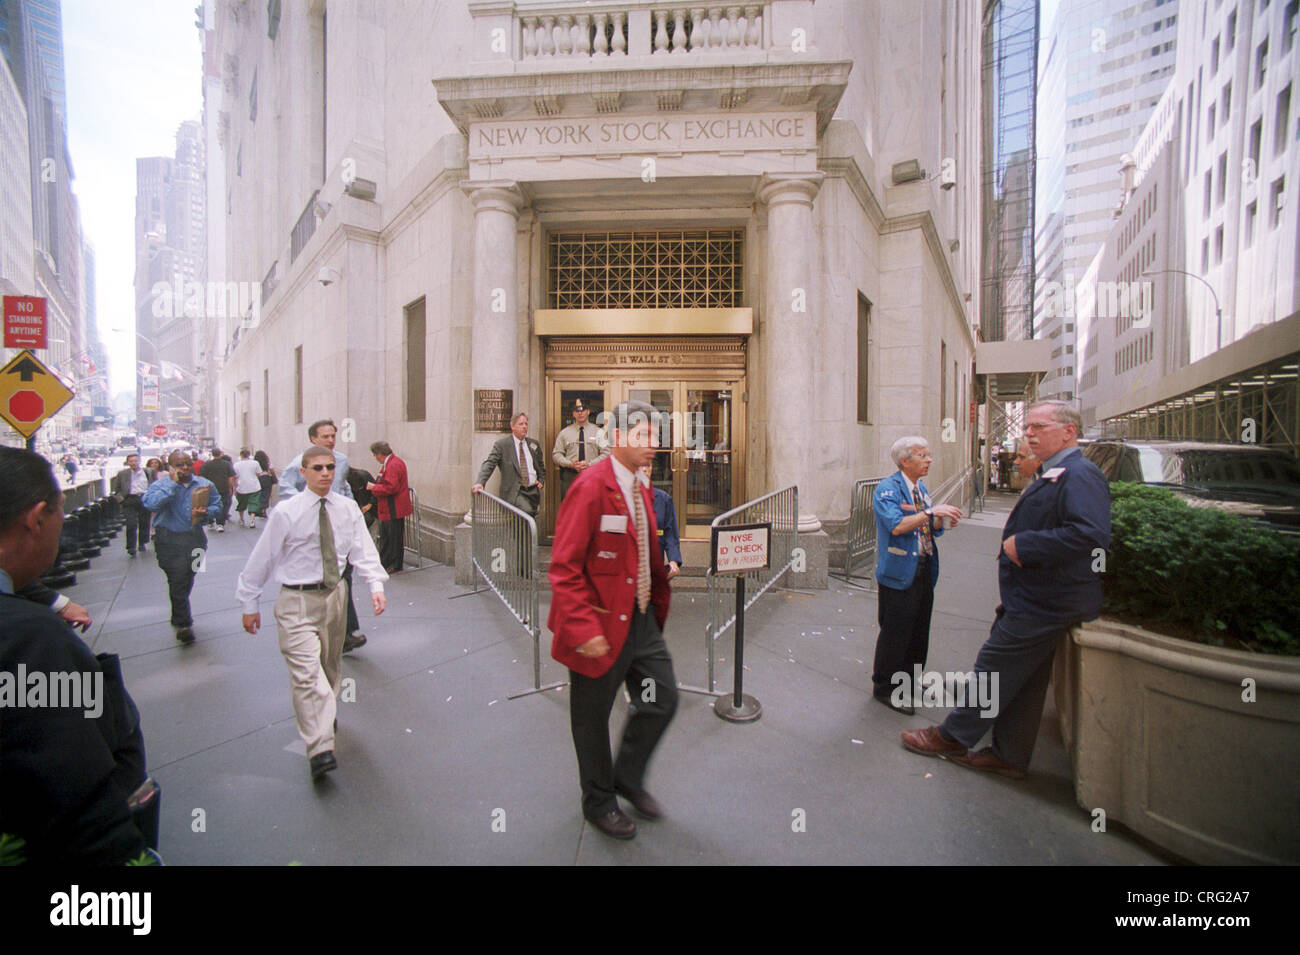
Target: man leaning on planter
[(1047, 583)]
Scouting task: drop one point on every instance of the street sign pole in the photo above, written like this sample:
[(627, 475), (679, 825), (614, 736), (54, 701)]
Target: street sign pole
[(738, 549)]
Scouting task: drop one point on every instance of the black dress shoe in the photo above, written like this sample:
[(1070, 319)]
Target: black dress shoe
[(185, 635), (352, 641), (886, 701), (645, 804), (615, 824), (322, 763)]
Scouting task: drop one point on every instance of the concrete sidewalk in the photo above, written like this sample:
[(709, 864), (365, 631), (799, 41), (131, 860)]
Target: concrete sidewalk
[(433, 757)]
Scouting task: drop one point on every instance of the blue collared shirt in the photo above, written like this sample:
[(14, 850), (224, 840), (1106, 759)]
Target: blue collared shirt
[(1058, 457), (292, 481), (170, 502)]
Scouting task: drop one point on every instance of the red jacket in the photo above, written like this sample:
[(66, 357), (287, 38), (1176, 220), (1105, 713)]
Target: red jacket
[(593, 572), (391, 490)]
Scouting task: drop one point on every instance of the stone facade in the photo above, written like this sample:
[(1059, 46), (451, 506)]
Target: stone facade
[(450, 147)]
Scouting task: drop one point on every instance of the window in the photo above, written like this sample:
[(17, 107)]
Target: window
[(1276, 196), (1223, 178), (1231, 31), (1218, 245), (266, 396), (1251, 215), (1214, 57), (415, 366), (1227, 101), (252, 99), (1282, 120), (864, 361), (1261, 63), (1209, 124), (943, 381), (1209, 189), (1256, 135), (272, 18), (1205, 258), (297, 385), (1289, 26)]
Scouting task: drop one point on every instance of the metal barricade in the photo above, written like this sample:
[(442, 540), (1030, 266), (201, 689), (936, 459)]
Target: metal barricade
[(861, 545), (411, 530), (505, 556), (781, 509)]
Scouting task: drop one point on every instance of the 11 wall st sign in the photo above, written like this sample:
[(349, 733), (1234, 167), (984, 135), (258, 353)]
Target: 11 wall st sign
[(703, 132)]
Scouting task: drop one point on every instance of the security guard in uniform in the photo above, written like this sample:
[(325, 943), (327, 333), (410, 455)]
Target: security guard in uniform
[(578, 446)]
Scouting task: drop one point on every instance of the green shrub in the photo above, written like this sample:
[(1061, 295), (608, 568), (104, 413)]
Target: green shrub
[(1210, 576)]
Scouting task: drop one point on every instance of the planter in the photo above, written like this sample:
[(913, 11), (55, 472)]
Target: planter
[(1162, 740)]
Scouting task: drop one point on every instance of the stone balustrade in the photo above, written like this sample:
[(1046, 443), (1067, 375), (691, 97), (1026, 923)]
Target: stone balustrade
[(632, 29)]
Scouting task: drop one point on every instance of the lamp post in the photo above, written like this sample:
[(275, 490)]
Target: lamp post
[(1218, 312)]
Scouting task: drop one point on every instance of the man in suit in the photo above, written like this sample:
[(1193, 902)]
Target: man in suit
[(523, 472), (129, 485), (1047, 585), (907, 568), (1026, 462), (69, 770), (393, 495), (609, 603)]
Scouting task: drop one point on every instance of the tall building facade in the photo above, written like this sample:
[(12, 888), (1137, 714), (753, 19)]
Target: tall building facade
[(1107, 63), (1205, 230), (741, 215)]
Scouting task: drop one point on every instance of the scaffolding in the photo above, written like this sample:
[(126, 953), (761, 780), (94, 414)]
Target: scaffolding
[(1258, 406)]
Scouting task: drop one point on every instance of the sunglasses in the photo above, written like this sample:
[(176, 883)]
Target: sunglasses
[(320, 467)]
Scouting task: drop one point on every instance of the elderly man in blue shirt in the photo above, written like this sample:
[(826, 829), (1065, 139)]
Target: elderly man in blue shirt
[(907, 568), (324, 434), (179, 541)]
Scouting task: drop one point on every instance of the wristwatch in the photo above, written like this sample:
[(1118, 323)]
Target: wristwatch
[(929, 513)]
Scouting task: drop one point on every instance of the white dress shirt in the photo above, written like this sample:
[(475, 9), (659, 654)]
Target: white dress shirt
[(289, 548), (625, 476), (531, 477), (139, 482)]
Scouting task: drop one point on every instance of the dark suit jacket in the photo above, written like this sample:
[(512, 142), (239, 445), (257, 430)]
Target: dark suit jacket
[(66, 777), (1058, 523), (122, 481), (593, 571), (503, 456)]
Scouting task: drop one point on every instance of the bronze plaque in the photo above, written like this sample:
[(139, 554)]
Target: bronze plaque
[(492, 408)]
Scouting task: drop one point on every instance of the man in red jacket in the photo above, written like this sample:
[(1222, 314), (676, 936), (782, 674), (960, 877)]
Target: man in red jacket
[(393, 498), (609, 602)]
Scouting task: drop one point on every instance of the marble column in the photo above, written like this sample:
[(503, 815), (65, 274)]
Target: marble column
[(495, 349), (790, 257)]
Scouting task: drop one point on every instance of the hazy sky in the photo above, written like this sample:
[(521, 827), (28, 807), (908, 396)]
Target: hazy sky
[(134, 73)]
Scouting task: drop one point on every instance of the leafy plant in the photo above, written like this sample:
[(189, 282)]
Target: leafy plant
[(1212, 577), (11, 849)]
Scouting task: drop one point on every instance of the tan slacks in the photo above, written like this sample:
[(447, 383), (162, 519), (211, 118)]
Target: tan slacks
[(311, 625)]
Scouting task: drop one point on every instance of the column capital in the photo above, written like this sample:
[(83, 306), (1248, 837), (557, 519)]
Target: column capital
[(501, 195), (777, 188)]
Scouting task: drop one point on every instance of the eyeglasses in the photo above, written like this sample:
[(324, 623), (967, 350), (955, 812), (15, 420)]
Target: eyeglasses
[(321, 467), (1031, 426)]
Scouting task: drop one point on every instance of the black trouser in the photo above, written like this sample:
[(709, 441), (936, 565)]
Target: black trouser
[(390, 544), (220, 519), (904, 640), (646, 669), (179, 555), (137, 522), (567, 476), (353, 624)]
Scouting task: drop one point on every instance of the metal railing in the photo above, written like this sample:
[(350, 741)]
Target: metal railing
[(505, 556), (411, 532), (781, 510), (862, 529)]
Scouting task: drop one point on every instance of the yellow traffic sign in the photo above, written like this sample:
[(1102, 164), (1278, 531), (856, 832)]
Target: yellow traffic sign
[(30, 393)]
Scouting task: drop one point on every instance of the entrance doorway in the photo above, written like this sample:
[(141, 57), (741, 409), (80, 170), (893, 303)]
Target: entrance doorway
[(700, 461)]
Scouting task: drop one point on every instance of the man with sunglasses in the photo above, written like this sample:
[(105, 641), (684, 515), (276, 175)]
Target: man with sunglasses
[(306, 545), (178, 539), (323, 434)]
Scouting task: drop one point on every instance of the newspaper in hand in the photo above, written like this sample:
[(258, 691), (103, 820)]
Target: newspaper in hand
[(198, 505)]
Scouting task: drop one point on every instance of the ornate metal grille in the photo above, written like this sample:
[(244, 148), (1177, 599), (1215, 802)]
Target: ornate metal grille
[(697, 268)]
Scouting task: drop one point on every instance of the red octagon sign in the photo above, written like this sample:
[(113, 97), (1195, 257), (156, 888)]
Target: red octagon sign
[(26, 405), (160, 430)]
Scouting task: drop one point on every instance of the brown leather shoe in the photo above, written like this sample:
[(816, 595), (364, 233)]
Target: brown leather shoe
[(986, 761), (644, 803), (615, 824), (929, 742)]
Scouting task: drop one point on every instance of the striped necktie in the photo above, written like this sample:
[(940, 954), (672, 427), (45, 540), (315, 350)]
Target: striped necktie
[(643, 548)]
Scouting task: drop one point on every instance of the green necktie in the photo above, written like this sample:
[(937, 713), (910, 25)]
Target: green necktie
[(328, 555)]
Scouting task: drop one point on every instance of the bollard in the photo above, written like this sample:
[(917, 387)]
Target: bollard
[(86, 543), (70, 546)]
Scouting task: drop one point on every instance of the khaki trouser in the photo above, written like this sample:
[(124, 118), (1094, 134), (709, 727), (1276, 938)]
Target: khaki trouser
[(311, 625)]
